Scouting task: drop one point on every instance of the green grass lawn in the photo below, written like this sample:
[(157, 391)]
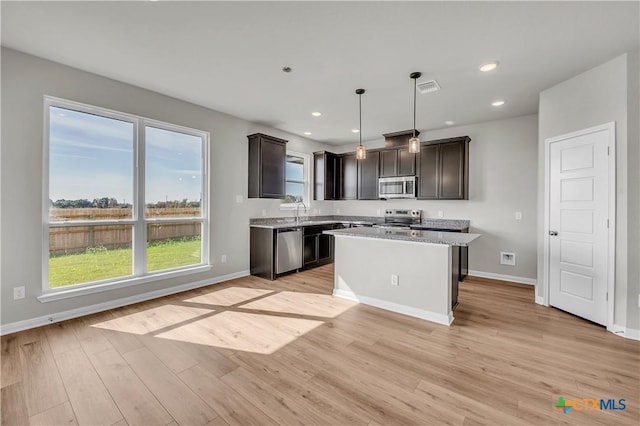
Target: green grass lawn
[(101, 263)]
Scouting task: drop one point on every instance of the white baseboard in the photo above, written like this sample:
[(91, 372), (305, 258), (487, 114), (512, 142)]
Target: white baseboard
[(395, 307), (627, 333), (512, 278), (540, 300), (92, 309)]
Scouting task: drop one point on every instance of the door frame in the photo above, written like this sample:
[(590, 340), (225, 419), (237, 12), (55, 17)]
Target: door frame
[(611, 240)]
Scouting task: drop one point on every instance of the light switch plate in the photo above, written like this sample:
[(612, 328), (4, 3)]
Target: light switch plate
[(518, 215), (440, 213), (239, 199)]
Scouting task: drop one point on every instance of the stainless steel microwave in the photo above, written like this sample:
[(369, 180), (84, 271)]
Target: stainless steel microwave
[(397, 187)]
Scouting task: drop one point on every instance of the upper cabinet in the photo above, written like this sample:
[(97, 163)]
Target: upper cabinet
[(429, 181), (348, 166), (267, 160), (444, 169), (368, 174), (441, 167), (326, 176), (397, 162)]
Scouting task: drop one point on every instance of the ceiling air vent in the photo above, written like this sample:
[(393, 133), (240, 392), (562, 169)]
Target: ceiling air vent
[(428, 86)]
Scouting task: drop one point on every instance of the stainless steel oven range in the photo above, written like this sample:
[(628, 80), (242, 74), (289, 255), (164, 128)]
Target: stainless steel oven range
[(400, 218)]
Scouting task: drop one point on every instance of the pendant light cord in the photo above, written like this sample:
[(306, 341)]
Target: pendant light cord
[(360, 109), (415, 87)]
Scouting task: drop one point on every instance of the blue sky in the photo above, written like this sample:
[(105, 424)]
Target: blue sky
[(92, 157)]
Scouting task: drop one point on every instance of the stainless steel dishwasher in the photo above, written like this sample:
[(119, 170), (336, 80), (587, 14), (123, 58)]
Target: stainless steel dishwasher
[(288, 250)]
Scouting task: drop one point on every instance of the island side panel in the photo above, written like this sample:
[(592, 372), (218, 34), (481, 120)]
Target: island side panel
[(364, 266)]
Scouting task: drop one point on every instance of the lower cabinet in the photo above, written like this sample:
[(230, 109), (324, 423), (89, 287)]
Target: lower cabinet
[(318, 247)]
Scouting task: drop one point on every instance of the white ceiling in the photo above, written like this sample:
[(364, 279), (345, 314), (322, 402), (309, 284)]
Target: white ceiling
[(228, 56)]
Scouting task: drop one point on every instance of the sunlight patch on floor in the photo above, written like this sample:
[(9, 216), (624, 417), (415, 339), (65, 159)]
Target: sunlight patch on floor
[(263, 334), (317, 305), (229, 296), (153, 319)]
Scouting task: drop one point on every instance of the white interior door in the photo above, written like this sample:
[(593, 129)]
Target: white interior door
[(578, 177)]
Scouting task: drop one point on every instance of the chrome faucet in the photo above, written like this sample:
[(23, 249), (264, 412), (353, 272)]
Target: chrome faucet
[(298, 210)]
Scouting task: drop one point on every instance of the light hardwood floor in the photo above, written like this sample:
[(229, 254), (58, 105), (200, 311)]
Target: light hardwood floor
[(251, 351)]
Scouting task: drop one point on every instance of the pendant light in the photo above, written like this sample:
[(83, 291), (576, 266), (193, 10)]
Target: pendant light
[(414, 142), (361, 151)]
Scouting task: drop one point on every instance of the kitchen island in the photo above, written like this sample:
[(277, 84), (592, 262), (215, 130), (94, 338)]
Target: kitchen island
[(406, 271)]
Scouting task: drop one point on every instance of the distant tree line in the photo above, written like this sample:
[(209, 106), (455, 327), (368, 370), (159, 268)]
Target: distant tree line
[(112, 203), (83, 203), (175, 204)]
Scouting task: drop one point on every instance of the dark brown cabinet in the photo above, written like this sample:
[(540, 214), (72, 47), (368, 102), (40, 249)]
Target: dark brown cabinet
[(318, 247), (429, 172), (267, 160), (406, 163), (452, 161), (397, 162), (444, 169), (389, 163), (326, 176), (348, 177), (368, 173)]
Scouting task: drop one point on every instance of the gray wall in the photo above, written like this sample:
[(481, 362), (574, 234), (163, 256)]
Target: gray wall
[(25, 80), (502, 181), (603, 94), (633, 160)]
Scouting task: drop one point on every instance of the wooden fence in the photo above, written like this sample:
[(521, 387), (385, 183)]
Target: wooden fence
[(79, 238)]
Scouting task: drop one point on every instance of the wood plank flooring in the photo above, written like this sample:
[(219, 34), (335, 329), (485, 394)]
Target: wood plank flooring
[(256, 352)]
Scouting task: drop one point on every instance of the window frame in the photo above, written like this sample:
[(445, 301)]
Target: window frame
[(306, 194), (138, 220)]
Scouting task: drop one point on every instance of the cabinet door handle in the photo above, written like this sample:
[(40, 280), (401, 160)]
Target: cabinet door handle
[(553, 233)]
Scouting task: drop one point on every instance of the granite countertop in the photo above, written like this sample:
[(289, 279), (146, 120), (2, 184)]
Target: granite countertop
[(281, 222), (433, 237), (286, 222)]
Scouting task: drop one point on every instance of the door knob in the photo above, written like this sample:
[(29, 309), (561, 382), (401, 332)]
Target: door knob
[(553, 233)]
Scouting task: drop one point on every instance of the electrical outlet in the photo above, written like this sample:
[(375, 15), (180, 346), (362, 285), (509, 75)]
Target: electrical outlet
[(264, 212), (395, 280), (18, 293), (378, 212), (507, 258), (223, 258), (518, 215), (440, 213), (337, 211), (239, 199)]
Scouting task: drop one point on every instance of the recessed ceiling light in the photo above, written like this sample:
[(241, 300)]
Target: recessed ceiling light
[(449, 123), (489, 66), (316, 113), (307, 133), (498, 103), (355, 131)]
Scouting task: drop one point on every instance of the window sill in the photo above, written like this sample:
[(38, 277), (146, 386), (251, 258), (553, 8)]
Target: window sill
[(66, 293)]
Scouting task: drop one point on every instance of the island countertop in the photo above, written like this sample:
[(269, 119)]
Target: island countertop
[(287, 222), (433, 237)]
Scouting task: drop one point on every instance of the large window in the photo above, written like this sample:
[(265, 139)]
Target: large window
[(296, 180), (125, 199)]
